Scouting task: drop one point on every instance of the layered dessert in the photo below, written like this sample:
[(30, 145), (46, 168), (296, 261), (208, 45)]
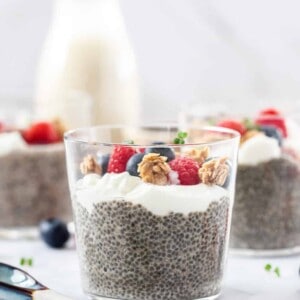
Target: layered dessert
[(33, 179), (266, 213), (153, 223)]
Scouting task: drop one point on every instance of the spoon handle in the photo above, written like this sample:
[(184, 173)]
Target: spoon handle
[(48, 295)]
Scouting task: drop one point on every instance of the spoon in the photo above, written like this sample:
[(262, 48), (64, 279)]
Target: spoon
[(16, 284)]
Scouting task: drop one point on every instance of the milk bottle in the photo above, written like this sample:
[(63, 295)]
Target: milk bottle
[(87, 73)]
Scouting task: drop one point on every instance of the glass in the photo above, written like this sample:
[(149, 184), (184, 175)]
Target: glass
[(146, 227), (33, 179), (266, 213)]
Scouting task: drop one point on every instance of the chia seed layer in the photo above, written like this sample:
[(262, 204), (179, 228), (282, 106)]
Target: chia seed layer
[(127, 252), (266, 213), (33, 186)]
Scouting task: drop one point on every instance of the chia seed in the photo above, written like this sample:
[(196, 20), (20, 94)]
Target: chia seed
[(33, 186), (266, 213), (127, 252)]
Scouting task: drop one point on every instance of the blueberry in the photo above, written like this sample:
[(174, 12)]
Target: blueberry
[(163, 151), (103, 160), (132, 164), (158, 143), (54, 232), (272, 132)]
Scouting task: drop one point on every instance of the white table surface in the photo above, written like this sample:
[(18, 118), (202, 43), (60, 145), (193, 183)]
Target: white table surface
[(245, 277)]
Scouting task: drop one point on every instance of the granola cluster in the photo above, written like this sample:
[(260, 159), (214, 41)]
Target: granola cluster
[(89, 165), (214, 171), (154, 169)]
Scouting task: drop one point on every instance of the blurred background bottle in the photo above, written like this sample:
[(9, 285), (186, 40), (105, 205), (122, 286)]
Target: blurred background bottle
[(87, 73)]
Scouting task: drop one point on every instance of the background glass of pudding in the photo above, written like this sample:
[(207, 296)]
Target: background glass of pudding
[(152, 216), (33, 178), (266, 213)]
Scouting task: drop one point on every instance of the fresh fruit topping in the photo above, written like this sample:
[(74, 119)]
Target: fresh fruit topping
[(233, 124), (180, 138), (187, 170), (119, 158), (89, 165), (2, 127), (273, 132), (275, 121), (54, 232), (154, 169), (199, 155), (41, 133), (132, 164), (163, 151), (158, 143), (270, 112), (214, 171), (103, 160)]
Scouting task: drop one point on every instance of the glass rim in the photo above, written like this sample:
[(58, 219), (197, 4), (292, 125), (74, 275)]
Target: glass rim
[(233, 135)]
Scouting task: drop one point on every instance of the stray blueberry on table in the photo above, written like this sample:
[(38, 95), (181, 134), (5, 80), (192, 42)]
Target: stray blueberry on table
[(54, 232)]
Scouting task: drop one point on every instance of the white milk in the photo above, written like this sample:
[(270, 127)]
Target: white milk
[(87, 60)]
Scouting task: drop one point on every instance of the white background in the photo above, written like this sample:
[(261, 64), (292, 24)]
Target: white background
[(187, 50)]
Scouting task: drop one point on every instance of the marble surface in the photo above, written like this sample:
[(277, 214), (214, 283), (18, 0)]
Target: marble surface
[(245, 277)]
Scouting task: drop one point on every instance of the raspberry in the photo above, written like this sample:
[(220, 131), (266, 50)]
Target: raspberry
[(270, 112), (232, 124), (41, 133), (187, 170), (118, 159), (276, 121)]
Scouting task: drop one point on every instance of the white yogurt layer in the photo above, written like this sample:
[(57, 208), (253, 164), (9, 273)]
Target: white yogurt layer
[(160, 200), (259, 149), (11, 141)]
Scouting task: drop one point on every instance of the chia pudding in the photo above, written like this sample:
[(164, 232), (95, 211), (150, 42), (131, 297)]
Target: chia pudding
[(33, 180), (152, 222), (33, 186), (143, 241), (266, 212)]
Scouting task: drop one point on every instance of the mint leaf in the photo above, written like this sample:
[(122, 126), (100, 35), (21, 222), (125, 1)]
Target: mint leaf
[(268, 267), (180, 138), (277, 271)]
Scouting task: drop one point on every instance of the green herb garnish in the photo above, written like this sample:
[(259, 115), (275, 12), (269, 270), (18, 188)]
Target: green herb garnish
[(128, 142), (268, 267), (180, 138), (250, 125), (26, 261), (276, 270)]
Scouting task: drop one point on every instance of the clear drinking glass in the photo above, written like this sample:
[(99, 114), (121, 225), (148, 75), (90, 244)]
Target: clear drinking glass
[(152, 217)]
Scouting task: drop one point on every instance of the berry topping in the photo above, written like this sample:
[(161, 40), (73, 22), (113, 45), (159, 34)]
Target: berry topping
[(163, 151), (272, 132), (2, 127), (275, 121), (41, 133), (233, 124), (270, 112), (119, 158), (103, 160), (54, 232), (187, 170), (132, 164)]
